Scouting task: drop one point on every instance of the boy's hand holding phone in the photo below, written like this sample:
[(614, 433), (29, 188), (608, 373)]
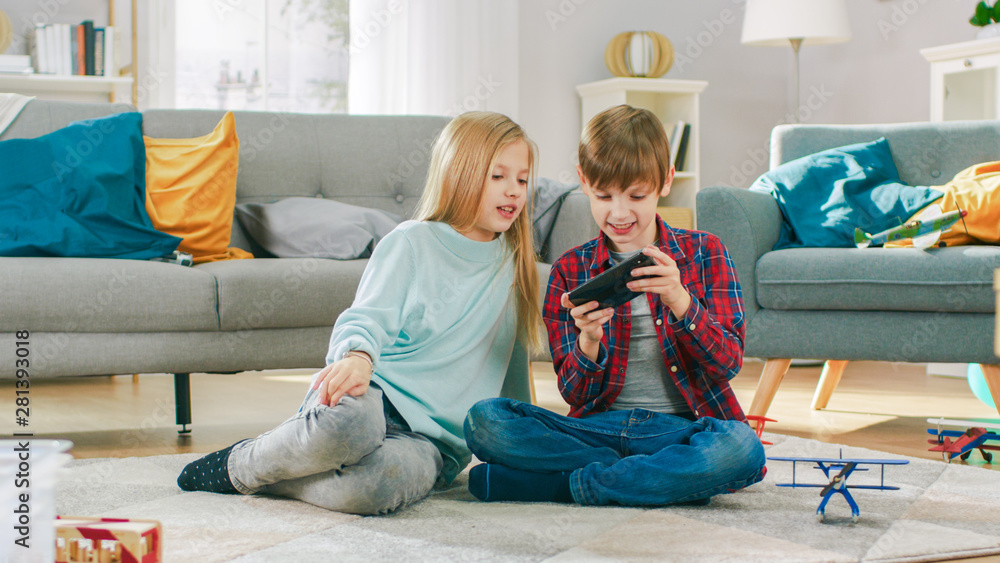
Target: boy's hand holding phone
[(665, 281), (590, 321)]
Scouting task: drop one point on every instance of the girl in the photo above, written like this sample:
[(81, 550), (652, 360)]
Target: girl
[(429, 334)]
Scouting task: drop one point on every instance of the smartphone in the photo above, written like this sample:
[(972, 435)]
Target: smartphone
[(609, 288)]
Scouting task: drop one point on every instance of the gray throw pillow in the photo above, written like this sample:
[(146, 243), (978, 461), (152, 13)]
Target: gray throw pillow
[(308, 227)]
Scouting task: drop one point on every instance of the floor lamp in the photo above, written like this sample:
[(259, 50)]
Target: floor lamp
[(776, 23)]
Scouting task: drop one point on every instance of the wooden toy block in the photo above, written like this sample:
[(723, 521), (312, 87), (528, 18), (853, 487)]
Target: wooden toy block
[(108, 540)]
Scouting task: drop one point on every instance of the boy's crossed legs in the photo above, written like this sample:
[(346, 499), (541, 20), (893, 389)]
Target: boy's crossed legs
[(633, 457)]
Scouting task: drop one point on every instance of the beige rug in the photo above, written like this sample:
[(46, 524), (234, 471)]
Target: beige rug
[(940, 512)]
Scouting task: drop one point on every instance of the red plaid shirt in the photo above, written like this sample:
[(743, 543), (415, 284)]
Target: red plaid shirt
[(703, 350)]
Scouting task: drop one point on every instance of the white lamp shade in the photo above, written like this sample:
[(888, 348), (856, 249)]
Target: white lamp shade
[(771, 23)]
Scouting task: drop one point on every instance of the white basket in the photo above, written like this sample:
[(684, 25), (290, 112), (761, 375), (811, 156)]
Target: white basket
[(32, 473)]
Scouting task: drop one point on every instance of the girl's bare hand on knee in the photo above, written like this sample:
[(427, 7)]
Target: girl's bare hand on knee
[(352, 375)]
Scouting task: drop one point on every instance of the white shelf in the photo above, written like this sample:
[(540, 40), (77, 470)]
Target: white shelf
[(665, 85), (671, 101), (61, 83)]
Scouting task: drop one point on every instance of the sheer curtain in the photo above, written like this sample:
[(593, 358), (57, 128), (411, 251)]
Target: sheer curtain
[(436, 57)]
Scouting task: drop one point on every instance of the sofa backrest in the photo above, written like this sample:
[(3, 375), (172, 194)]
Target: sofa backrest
[(371, 161), (925, 153), (40, 117)]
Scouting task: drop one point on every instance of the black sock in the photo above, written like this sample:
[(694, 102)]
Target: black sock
[(210, 473), (494, 482)]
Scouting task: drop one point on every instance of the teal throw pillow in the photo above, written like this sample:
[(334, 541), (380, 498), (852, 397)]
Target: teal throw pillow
[(825, 196), (79, 191)]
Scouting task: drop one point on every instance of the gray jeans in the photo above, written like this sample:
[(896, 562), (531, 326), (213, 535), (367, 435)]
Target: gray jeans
[(347, 458)]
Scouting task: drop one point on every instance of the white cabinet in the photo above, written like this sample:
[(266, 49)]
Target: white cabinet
[(671, 101), (964, 80)]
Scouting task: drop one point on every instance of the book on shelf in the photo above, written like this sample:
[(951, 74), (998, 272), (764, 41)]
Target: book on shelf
[(99, 51), (109, 51), (81, 51), (682, 146), (678, 143), (88, 36), (65, 49), (675, 137), (15, 64)]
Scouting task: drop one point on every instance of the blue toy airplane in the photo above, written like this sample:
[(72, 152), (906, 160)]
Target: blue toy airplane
[(838, 482), (925, 230)]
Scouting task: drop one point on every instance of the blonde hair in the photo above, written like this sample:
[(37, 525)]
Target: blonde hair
[(463, 157), (623, 146)]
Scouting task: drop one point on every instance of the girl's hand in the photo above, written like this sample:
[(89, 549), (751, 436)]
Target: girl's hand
[(349, 376), (591, 324), (666, 283)]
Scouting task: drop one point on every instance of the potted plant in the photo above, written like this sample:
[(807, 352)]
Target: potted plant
[(986, 17)]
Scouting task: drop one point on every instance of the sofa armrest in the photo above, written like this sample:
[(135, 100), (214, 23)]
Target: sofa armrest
[(573, 226), (748, 224)]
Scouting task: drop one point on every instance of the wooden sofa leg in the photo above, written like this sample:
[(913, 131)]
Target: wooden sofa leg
[(828, 380), (182, 401), (991, 373), (770, 378), (531, 382)]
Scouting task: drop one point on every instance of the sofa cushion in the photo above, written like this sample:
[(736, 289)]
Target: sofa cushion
[(954, 279), (283, 292), (104, 295)]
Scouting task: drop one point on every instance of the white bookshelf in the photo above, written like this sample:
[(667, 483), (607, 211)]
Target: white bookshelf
[(671, 101), (76, 88)]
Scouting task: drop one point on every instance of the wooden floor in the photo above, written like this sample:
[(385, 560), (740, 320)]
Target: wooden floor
[(881, 406)]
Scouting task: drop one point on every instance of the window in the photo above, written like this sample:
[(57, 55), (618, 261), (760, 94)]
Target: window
[(263, 55)]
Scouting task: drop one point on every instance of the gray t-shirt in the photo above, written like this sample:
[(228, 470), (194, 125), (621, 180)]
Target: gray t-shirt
[(647, 382)]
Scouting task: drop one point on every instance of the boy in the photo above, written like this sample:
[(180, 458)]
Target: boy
[(653, 419)]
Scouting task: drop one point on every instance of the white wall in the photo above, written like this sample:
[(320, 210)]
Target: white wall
[(877, 77)]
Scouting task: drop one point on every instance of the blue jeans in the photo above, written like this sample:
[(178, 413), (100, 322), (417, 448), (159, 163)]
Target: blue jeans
[(631, 457)]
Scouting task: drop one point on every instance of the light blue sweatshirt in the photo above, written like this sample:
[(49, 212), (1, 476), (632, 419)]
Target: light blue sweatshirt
[(436, 312)]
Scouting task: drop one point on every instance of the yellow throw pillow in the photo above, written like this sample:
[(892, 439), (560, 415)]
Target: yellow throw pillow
[(191, 190)]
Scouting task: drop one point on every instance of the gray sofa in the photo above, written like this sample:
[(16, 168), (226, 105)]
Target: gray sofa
[(843, 304), (103, 316)]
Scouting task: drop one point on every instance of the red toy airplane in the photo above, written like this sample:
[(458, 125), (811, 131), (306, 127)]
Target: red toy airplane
[(759, 427), (977, 433)]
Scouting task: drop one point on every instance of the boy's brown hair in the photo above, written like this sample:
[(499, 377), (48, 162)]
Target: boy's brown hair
[(624, 146)]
